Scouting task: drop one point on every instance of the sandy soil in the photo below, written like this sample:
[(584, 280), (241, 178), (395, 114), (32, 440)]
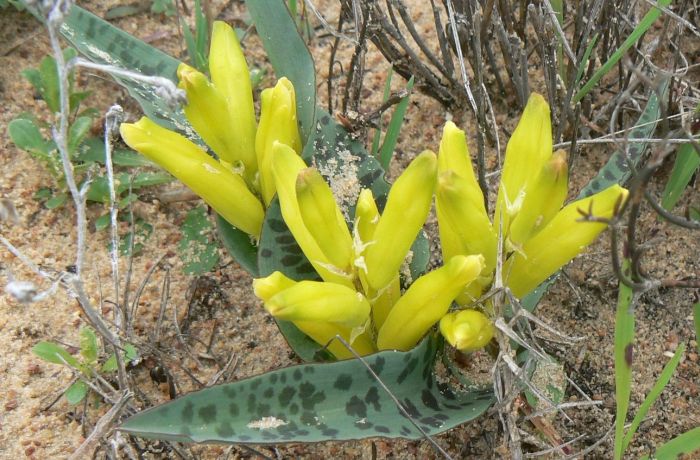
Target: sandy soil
[(226, 315)]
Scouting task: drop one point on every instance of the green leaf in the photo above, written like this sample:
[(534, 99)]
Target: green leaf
[(385, 97), (54, 353), (99, 188), (43, 193), (624, 346), (77, 132), (76, 392), (288, 55), (88, 345), (48, 88), (110, 365), (166, 7), (197, 250), (319, 402), (26, 135), (654, 394), (56, 201), (392, 131), (102, 222), (647, 21), (122, 11), (103, 43), (140, 233), (686, 443), (239, 246), (687, 162), (696, 321), (92, 150), (617, 169)]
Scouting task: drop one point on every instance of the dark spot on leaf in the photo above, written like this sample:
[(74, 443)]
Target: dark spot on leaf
[(325, 120), (224, 430), (429, 400), (355, 407), (233, 409), (251, 403), (273, 378), (286, 395), (302, 433), (405, 431), (277, 225), (431, 421), (309, 370), (343, 382), (364, 425), (608, 175), (297, 376), (329, 432), (283, 378), (229, 391), (443, 417), (268, 393), (208, 413), (629, 351), (293, 408), (410, 367), (446, 391), (411, 408), (290, 260), (378, 365), (263, 410), (188, 412), (372, 398), (285, 239), (291, 249), (308, 418), (382, 429), (266, 253), (255, 384)]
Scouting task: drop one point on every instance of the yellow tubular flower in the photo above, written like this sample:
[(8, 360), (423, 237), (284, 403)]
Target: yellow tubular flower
[(322, 333), (464, 226), (207, 112), (278, 123), (222, 189), (323, 218), (544, 197), (454, 156), (366, 216), (385, 301), (466, 330), (562, 239), (265, 288), (405, 212), (528, 150), (426, 301), (320, 301), (286, 166), (230, 75)]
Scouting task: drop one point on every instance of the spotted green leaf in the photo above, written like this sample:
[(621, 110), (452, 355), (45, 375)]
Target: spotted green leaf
[(319, 402), (197, 250)]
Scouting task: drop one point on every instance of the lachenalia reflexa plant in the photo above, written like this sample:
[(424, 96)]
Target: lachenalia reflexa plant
[(356, 287)]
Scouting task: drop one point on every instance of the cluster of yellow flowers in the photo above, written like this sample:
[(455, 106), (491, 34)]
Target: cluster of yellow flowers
[(360, 296)]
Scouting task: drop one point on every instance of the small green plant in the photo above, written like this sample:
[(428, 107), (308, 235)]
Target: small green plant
[(198, 249), (87, 365), (166, 7)]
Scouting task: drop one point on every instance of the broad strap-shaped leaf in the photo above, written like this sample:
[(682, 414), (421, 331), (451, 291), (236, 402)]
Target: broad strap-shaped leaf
[(101, 42), (288, 55), (239, 245), (319, 402), (617, 170)]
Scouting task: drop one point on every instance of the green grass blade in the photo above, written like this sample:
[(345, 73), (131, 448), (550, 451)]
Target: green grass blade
[(584, 60), (288, 55), (385, 97), (624, 343), (654, 394), (687, 162), (686, 443), (696, 320), (646, 22), (392, 131)]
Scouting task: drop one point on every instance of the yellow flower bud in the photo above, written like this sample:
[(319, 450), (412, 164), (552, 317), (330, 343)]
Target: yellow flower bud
[(265, 288), (286, 166), (207, 112), (278, 123), (366, 216), (464, 226), (466, 330), (320, 301), (454, 156), (544, 197), (222, 189), (323, 219), (405, 212), (323, 333), (426, 301), (385, 301), (562, 239), (528, 150), (230, 75)]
